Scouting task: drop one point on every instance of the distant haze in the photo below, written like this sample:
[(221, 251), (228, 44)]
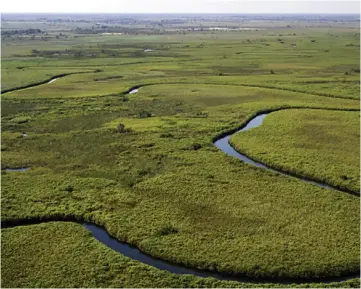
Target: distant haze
[(180, 6)]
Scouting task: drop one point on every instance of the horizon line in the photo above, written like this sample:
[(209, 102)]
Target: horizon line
[(268, 13)]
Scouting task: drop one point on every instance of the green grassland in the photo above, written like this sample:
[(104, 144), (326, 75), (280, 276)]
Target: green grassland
[(139, 163), (322, 145), (65, 251)]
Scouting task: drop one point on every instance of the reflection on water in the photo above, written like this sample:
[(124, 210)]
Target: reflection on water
[(135, 90)]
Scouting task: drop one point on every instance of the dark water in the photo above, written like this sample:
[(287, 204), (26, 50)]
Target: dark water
[(16, 169), (223, 145), (134, 253)]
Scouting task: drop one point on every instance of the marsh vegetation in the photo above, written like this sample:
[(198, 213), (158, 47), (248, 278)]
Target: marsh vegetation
[(144, 166)]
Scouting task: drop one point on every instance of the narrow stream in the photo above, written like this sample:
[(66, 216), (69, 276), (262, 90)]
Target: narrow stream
[(224, 145), (16, 169), (134, 253)]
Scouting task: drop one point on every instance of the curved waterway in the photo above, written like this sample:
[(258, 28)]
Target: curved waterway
[(134, 253), (224, 145), (16, 169), (49, 80)]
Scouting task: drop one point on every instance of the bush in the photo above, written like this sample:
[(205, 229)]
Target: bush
[(121, 129), (201, 114), (144, 114), (196, 146), (67, 188), (166, 135), (167, 230)]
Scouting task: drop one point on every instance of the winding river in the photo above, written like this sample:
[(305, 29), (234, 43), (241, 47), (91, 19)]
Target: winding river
[(224, 145), (49, 80), (133, 252)]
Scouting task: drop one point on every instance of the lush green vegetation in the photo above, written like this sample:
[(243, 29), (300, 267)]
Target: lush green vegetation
[(65, 255), (143, 163), (322, 145)]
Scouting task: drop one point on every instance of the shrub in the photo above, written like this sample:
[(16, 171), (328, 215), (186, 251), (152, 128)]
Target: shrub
[(144, 114), (196, 146), (166, 135), (167, 230), (67, 188), (201, 114), (121, 129)]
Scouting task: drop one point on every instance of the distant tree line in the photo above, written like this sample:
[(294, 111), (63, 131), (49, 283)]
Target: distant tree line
[(21, 31)]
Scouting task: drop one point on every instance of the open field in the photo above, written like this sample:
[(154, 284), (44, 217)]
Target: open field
[(144, 165)]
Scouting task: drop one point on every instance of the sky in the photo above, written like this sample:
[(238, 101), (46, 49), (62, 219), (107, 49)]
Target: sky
[(179, 6)]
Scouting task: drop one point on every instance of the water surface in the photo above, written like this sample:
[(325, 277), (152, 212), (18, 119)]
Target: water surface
[(135, 90), (16, 169)]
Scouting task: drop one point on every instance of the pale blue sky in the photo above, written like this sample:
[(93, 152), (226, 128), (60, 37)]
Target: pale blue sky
[(180, 6)]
